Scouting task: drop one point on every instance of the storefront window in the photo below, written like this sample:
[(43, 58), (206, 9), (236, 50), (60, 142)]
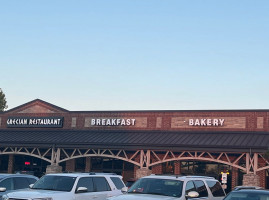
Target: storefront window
[(203, 168), (4, 163), (80, 164), (29, 165), (168, 167), (109, 165)]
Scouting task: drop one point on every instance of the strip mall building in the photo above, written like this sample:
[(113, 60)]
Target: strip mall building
[(40, 137)]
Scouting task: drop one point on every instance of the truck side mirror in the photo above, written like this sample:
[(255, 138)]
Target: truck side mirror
[(81, 189), (192, 194), (124, 190)]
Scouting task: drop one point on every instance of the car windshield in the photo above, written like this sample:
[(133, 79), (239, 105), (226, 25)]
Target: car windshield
[(57, 183), (2, 176), (165, 187), (248, 195)]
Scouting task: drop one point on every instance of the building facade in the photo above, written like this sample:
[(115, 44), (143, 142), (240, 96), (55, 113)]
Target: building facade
[(39, 137)]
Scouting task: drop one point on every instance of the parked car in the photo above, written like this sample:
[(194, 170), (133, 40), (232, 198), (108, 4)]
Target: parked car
[(243, 187), (248, 193), (72, 186), (174, 188), (11, 182)]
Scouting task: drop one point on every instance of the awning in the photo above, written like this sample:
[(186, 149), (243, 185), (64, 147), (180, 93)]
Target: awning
[(134, 140)]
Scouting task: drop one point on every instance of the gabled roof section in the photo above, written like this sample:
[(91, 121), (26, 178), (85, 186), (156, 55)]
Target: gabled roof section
[(37, 106)]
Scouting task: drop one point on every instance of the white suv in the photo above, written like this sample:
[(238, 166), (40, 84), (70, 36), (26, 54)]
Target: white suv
[(71, 186), (160, 187)]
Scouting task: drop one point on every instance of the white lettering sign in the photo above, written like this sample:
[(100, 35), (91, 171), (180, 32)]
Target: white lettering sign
[(34, 122), (206, 122), (112, 122)]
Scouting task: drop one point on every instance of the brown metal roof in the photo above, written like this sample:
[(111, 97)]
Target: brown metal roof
[(164, 140)]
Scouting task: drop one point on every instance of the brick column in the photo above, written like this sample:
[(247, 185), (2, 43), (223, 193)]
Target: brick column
[(70, 165), (136, 169), (88, 164), (262, 175), (177, 167), (157, 169), (234, 177), (10, 164)]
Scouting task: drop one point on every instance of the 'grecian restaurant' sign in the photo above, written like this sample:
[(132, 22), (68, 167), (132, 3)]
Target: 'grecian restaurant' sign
[(35, 122)]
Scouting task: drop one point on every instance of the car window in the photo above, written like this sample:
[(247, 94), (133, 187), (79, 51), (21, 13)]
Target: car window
[(31, 180), (162, 187), (215, 188), (21, 183), (117, 182), (57, 183), (189, 187), (7, 183), (86, 182), (101, 184), (248, 195), (201, 188)]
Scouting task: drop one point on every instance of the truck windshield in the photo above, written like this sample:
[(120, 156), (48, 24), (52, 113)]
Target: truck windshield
[(57, 183), (155, 186)]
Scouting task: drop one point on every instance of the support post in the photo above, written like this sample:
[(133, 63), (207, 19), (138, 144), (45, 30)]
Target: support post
[(255, 163), (247, 162), (141, 158)]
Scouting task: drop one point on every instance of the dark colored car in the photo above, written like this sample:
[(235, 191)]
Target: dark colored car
[(11, 182), (248, 193)]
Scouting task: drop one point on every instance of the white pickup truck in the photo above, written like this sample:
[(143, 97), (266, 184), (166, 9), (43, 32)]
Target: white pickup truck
[(71, 186)]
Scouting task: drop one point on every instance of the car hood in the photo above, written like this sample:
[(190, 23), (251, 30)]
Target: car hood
[(30, 193), (141, 197)]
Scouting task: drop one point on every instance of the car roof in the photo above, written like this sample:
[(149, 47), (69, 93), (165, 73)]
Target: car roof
[(244, 187), (16, 175), (179, 177), (253, 191), (84, 174)]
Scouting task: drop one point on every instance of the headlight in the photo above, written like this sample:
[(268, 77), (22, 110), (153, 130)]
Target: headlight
[(48, 198)]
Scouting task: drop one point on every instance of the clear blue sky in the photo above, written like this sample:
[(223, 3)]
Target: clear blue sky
[(136, 54)]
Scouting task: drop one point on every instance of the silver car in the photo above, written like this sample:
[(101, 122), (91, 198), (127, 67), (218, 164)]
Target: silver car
[(160, 187), (11, 182)]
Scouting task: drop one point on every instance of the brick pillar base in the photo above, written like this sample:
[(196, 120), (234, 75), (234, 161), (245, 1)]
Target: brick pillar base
[(142, 172), (251, 180), (53, 169), (10, 164)]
